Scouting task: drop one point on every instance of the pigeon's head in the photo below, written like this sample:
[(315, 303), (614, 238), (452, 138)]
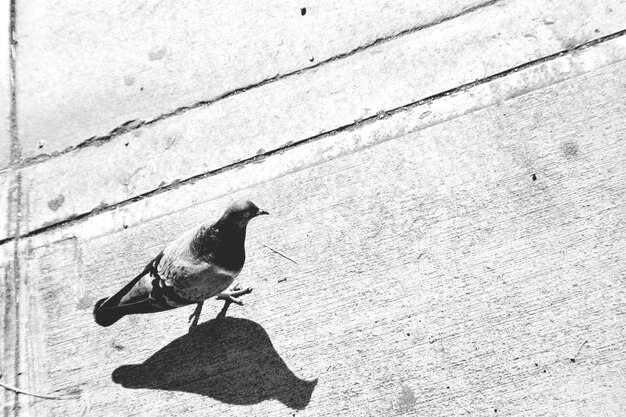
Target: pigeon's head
[(241, 212)]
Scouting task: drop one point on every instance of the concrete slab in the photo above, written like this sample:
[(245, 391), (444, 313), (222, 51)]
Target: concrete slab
[(471, 266), (338, 95)]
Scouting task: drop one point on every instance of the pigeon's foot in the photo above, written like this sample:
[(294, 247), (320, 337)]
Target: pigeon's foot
[(231, 297)]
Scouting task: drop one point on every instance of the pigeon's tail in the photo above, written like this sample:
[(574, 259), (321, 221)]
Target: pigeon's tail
[(109, 310), (106, 316)]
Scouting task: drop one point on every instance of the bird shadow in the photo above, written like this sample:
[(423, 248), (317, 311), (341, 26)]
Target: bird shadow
[(231, 360)]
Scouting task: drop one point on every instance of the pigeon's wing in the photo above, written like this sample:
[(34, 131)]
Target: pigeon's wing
[(151, 286), (140, 291), (180, 260), (133, 298)]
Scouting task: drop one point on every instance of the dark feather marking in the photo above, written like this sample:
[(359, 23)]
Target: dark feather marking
[(221, 244)]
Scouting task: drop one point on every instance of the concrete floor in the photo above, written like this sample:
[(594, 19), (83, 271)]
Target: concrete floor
[(445, 180)]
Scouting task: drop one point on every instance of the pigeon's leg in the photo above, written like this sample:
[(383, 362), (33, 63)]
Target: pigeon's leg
[(222, 313), (196, 315)]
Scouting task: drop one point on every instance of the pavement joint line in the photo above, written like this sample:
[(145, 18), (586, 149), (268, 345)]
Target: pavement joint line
[(352, 126)]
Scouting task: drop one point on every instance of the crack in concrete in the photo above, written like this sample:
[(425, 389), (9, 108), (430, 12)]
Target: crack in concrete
[(137, 123), (16, 149), (13, 214), (349, 127), (16, 285)]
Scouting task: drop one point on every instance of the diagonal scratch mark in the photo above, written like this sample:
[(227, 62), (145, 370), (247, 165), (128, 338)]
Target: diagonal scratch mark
[(279, 252)]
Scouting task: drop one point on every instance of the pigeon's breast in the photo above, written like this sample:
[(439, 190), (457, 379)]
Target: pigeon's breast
[(193, 278), (206, 284)]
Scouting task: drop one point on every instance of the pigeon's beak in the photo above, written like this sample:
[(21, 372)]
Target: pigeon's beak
[(261, 212)]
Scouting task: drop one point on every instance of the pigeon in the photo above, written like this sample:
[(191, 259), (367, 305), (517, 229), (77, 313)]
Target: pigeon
[(200, 264)]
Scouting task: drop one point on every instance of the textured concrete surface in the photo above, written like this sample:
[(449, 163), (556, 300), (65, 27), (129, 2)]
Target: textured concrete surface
[(459, 267), (5, 85), (5, 179), (451, 199), (7, 326)]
